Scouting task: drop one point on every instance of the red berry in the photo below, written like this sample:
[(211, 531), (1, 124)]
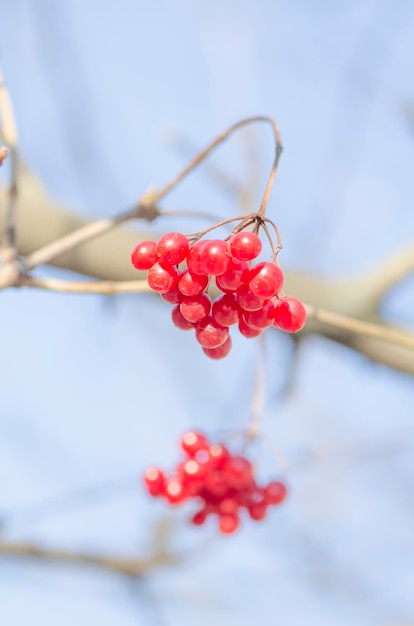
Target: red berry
[(200, 517), (290, 315), (221, 351), (193, 258), (228, 506), (154, 480), (218, 455), (275, 492), (247, 331), (144, 255), (257, 511), (196, 308), (192, 442), (225, 310), (239, 472), (214, 257), (247, 300), (245, 246), (162, 279), (263, 318), (190, 284), (175, 492), (172, 249), (179, 320), (174, 296), (215, 486), (229, 523), (252, 495), (193, 471), (234, 277), (210, 334), (266, 280)]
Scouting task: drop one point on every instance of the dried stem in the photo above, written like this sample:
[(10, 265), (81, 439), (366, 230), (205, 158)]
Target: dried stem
[(188, 213), (219, 140), (161, 554), (119, 565), (239, 218), (123, 566), (143, 210), (147, 203)]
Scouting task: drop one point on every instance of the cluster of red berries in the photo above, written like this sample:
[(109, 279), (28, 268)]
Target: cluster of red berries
[(223, 484), (249, 293)]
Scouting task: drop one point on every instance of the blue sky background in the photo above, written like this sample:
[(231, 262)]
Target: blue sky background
[(93, 391)]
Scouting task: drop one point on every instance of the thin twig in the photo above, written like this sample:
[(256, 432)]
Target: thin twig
[(359, 327), (238, 218), (186, 147), (68, 242), (205, 215), (219, 140), (105, 287), (141, 211), (127, 567)]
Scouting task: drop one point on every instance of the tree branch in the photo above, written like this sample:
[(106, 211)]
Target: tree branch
[(390, 272), (41, 221), (359, 327), (161, 555), (128, 567), (105, 287)]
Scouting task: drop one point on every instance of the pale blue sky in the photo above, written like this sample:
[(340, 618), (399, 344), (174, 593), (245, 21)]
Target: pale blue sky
[(93, 391)]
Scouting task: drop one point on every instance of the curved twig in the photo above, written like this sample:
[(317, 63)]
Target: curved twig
[(68, 242)]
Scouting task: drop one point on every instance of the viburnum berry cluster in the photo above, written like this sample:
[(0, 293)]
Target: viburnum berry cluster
[(250, 296), (222, 483)]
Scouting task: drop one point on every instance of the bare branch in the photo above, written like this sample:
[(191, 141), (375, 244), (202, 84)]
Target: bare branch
[(105, 287), (119, 565), (242, 192), (145, 207), (219, 140), (390, 272)]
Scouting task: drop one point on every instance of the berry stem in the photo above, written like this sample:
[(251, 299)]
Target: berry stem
[(220, 139), (201, 233), (146, 207), (274, 250), (272, 174)]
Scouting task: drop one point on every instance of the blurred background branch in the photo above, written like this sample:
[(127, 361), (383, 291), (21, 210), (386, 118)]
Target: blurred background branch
[(42, 221)]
